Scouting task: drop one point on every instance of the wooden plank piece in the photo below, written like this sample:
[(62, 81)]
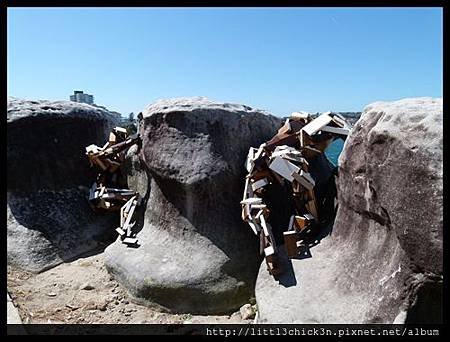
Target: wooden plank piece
[(259, 184), (99, 162), (312, 208), (315, 125), (309, 217), (249, 162), (122, 215), (336, 130), (268, 251), (291, 223), (245, 195), (120, 231), (259, 214), (283, 139), (112, 138), (267, 231), (92, 191), (254, 225), (264, 226), (284, 168), (286, 128), (290, 242), (92, 149), (305, 179), (245, 212), (252, 200), (120, 129), (301, 222), (130, 241), (340, 120), (257, 206), (130, 213)]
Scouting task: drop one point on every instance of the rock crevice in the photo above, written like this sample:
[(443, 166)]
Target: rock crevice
[(388, 230)]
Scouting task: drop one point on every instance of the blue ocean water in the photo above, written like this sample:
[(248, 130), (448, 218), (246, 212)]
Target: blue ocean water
[(334, 150)]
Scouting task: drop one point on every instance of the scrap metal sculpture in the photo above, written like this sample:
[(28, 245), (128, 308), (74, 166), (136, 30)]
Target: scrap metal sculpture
[(106, 192), (285, 161)]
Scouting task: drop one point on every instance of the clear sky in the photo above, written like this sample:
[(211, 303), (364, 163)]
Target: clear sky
[(278, 59)]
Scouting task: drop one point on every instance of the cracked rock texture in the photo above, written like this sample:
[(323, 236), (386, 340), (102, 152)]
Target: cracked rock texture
[(48, 218), (195, 253), (383, 261)]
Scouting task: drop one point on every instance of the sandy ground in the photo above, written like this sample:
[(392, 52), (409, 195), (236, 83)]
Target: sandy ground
[(84, 292)]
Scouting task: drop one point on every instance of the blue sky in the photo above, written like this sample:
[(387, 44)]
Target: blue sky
[(278, 59)]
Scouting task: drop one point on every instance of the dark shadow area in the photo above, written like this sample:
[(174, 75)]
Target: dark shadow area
[(101, 246), (324, 174), (304, 253), (65, 220), (134, 166), (428, 306), (48, 180), (49, 153), (320, 232), (280, 202), (134, 245), (288, 277)]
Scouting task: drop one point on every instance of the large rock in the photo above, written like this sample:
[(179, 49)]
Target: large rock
[(48, 217), (196, 255), (383, 261)]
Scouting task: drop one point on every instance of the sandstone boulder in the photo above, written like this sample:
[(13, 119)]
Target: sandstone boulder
[(195, 253), (383, 260), (48, 217)]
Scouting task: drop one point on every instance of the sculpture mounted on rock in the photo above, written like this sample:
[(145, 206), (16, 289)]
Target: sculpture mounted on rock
[(107, 192), (293, 160)]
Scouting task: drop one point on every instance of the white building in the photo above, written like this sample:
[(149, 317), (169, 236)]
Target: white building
[(79, 96)]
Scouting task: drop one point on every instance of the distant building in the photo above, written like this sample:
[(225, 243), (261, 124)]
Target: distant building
[(79, 96)]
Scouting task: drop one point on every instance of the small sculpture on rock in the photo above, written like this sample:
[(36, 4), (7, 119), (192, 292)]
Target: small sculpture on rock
[(287, 161), (108, 192)]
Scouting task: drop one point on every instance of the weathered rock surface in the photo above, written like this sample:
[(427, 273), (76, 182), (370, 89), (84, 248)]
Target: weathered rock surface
[(247, 311), (13, 316), (196, 255), (383, 261), (48, 217)]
